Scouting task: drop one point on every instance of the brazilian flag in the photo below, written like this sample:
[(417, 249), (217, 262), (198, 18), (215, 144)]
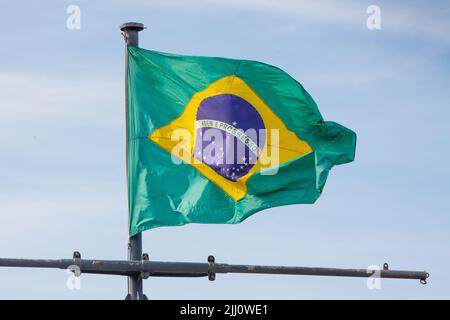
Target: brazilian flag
[(214, 140)]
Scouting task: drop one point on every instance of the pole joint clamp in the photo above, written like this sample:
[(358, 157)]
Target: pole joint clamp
[(146, 274), (75, 268), (211, 268)]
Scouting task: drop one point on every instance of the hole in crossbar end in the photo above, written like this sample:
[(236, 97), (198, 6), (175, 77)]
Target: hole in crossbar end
[(424, 280)]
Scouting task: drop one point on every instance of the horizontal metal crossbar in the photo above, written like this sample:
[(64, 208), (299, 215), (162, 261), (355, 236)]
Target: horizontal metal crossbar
[(196, 269)]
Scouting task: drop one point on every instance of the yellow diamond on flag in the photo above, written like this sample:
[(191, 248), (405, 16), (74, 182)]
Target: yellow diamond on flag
[(229, 106)]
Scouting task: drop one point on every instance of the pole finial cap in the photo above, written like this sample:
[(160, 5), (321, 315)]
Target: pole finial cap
[(132, 26)]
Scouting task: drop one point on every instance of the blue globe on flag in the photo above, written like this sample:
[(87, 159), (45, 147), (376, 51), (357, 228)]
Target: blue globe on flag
[(230, 135)]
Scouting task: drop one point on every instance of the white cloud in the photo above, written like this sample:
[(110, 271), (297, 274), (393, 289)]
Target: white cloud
[(27, 96), (325, 9), (404, 20)]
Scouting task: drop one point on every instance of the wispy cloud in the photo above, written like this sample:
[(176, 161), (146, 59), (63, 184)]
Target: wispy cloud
[(27, 96), (342, 11), (403, 19)]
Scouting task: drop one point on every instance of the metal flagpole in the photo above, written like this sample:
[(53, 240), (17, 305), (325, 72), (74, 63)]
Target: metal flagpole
[(130, 31)]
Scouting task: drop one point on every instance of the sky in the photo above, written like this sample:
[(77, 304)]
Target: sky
[(62, 158)]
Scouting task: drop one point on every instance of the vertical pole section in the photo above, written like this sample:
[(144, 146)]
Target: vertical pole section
[(135, 288)]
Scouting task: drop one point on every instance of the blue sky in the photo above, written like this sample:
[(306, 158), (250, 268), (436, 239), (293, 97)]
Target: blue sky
[(62, 173)]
